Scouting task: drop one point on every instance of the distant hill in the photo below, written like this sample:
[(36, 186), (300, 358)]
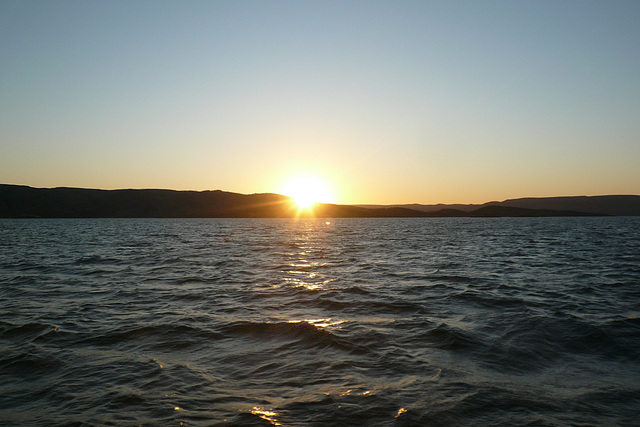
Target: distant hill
[(510, 211), (426, 208), (17, 201), (608, 205), (22, 201), (619, 205)]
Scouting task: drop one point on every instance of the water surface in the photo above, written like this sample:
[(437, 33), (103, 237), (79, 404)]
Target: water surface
[(416, 321)]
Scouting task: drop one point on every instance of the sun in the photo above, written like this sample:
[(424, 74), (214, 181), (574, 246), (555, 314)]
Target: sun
[(307, 191)]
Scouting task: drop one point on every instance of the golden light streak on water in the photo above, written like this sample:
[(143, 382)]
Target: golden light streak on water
[(320, 323), (400, 412), (270, 416)]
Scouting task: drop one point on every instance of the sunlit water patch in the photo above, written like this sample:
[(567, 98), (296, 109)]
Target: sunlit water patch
[(320, 322)]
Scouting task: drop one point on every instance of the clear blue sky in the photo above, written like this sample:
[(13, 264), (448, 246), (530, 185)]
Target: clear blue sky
[(387, 102)]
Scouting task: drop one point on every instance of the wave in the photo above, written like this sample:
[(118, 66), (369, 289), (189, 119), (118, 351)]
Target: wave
[(25, 332), (95, 259), (166, 336), (303, 333), (30, 362)]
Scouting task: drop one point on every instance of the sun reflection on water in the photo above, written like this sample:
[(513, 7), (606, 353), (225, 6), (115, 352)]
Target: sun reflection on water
[(400, 412), (319, 323), (304, 256), (266, 415)]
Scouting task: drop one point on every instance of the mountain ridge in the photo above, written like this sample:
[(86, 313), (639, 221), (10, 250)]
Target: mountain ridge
[(617, 205), (20, 201)]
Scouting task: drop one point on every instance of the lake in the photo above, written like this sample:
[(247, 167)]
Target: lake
[(316, 322)]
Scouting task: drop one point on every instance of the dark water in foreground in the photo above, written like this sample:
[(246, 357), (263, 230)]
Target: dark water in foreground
[(378, 322)]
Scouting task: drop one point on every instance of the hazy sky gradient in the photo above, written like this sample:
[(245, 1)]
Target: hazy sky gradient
[(388, 102)]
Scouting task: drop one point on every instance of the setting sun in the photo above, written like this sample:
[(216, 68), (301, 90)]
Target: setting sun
[(306, 191)]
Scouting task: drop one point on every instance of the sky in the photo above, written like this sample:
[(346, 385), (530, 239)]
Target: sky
[(384, 102)]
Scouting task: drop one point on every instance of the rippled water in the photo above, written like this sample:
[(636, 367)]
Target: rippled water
[(375, 322)]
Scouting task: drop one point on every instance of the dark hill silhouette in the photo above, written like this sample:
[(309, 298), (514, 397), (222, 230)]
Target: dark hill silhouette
[(18, 201), (324, 210), (21, 201), (598, 205), (510, 211), (426, 208), (610, 205), (27, 202)]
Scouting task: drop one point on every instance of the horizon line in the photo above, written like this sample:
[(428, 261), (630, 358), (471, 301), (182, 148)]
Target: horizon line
[(326, 203)]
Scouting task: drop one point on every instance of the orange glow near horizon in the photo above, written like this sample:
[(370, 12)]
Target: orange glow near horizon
[(307, 191)]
